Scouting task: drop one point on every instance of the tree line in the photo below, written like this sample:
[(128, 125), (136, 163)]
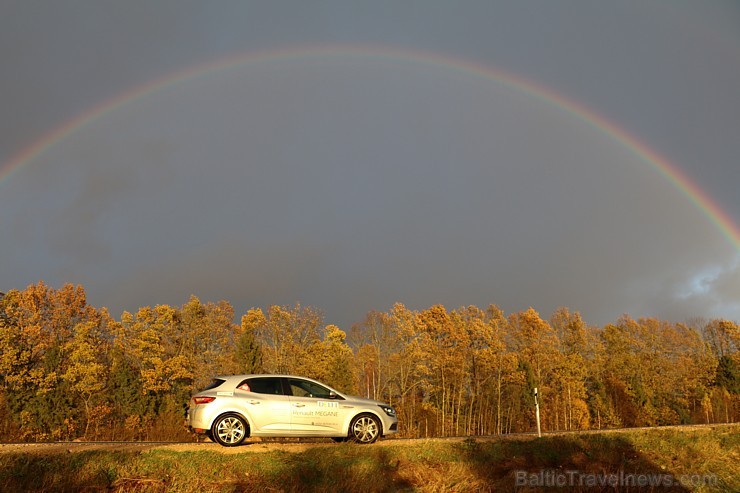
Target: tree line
[(69, 370)]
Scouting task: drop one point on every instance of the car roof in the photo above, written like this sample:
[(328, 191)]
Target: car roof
[(233, 379), (253, 375)]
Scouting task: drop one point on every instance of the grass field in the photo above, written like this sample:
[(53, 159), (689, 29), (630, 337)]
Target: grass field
[(701, 459)]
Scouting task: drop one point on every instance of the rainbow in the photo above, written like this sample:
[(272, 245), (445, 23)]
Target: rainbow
[(671, 172)]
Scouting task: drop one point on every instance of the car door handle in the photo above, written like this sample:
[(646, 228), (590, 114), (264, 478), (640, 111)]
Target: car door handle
[(347, 407), (254, 402), (298, 404)]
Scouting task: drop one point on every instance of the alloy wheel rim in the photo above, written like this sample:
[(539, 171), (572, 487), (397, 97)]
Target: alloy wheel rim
[(365, 429), (230, 430)]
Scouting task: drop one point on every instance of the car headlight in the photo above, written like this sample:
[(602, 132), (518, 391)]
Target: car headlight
[(388, 410)]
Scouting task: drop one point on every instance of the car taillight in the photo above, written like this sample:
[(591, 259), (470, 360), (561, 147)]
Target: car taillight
[(203, 400)]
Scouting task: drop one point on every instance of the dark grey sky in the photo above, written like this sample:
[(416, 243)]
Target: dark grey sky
[(356, 179)]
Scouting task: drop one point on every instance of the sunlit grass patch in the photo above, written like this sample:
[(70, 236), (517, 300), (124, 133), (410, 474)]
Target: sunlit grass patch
[(469, 465)]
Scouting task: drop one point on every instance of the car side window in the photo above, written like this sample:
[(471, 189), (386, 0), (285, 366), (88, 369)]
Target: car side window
[(304, 388), (270, 386)]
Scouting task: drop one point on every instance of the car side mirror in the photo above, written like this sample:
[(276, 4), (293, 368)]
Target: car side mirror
[(332, 395)]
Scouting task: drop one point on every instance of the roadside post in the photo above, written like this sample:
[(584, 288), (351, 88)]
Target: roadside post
[(537, 412)]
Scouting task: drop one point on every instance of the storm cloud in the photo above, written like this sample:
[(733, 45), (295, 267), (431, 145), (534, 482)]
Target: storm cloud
[(355, 179)]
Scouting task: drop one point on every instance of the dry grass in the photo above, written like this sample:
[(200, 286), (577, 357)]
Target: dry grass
[(424, 465)]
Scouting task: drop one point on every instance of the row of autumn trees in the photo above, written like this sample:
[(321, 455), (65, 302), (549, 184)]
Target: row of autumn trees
[(69, 370)]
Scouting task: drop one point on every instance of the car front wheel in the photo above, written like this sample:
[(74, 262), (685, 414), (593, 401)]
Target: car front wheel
[(229, 430), (365, 428)]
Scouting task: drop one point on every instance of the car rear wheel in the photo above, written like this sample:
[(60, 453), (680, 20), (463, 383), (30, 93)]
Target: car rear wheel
[(365, 428), (229, 430)]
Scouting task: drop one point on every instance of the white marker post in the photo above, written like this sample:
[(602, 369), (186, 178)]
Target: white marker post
[(537, 411)]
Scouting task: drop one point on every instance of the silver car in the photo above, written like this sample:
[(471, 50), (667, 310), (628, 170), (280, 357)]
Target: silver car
[(236, 407)]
